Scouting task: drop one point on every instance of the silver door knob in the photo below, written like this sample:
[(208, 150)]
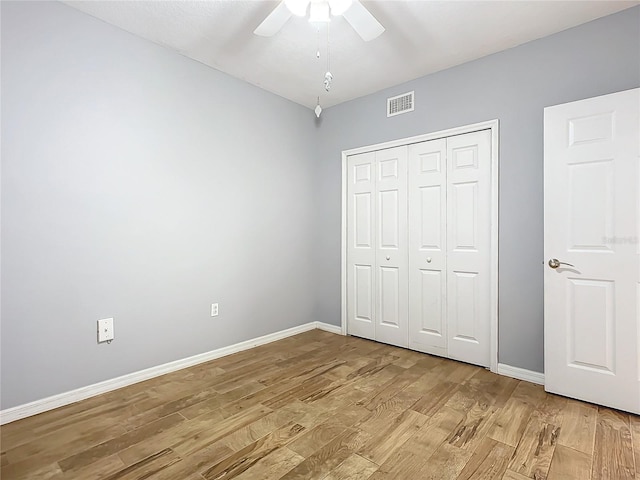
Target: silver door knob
[(555, 263), (428, 259), (388, 257)]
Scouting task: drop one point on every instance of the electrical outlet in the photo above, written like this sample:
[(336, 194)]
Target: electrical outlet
[(105, 330), (214, 309)]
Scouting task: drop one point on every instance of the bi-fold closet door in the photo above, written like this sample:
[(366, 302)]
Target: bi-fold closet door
[(377, 279), (419, 246)]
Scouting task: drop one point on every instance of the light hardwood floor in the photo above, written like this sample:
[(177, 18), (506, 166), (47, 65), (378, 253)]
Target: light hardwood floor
[(323, 406)]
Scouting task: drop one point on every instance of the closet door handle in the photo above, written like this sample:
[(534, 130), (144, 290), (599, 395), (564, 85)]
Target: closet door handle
[(428, 259), (388, 257)]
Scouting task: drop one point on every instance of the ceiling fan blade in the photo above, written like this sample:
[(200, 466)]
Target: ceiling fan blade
[(363, 22), (274, 21)]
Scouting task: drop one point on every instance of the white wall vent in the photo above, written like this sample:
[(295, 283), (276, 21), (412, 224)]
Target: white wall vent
[(400, 104)]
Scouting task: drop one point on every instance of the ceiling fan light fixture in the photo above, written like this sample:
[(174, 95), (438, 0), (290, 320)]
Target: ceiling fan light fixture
[(297, 7), (319, 12), (338, 7)]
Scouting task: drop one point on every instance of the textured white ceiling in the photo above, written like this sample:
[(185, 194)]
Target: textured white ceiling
[(421, 37)]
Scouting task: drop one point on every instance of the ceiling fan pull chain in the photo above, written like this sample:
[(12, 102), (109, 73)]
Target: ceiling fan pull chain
[(328, 50), (328, 77)]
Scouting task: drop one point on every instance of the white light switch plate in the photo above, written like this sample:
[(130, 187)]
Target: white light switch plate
[(105, 330), (214, 309)]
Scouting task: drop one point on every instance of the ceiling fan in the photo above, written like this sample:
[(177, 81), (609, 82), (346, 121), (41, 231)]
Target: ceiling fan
[(353, 11)]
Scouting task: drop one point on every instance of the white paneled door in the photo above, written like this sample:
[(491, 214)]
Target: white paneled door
[(450, 247), (391, 251), (469, 247), (361, 251), (419, 257), (428, 247), (377, 246), (592, 276)]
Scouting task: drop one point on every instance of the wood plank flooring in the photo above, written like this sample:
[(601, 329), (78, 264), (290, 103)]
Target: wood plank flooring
[(324, 406)]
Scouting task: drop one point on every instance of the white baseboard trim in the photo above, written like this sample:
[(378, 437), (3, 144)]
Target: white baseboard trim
[(49, 403), (521, 374), (327, 327)]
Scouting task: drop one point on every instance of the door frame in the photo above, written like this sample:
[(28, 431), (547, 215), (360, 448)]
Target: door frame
[(493, 126)]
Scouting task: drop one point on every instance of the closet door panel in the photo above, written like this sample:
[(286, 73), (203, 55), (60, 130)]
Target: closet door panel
[(390, 297), (391, 247), (361, 234), (389, 221), (427, 212), (464, 216), (469, 247), (464, 289)]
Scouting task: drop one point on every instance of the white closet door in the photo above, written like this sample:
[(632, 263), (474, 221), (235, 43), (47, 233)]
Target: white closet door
[(360, 249), (427, 247), (391, 260), (469, 247)]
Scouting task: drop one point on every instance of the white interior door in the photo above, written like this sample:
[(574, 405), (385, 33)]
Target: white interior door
[(591, 211), (427, 183), (419, 220), (361, 252), (391, 247), (469, 247)]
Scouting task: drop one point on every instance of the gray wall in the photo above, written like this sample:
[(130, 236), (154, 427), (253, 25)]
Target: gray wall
[(142, 185), (513, 86)]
